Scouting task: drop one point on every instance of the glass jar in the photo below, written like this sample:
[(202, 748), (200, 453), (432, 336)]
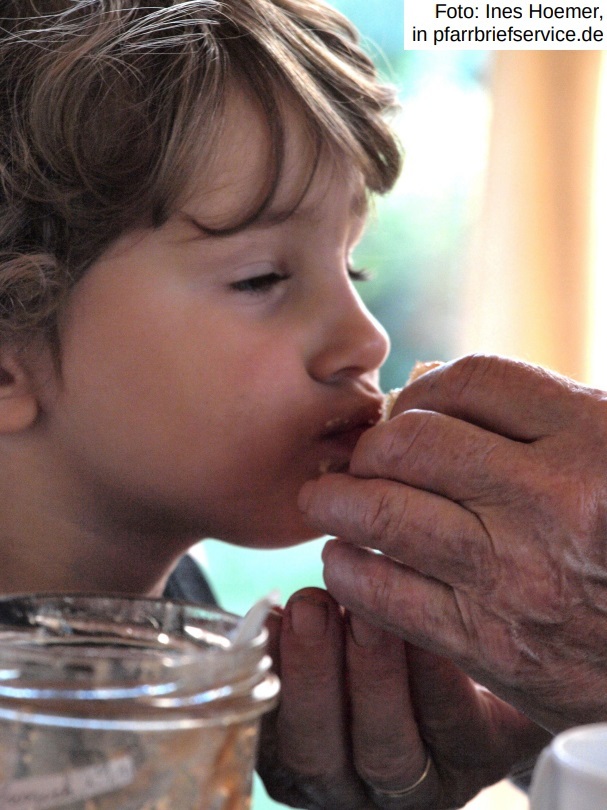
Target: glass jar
[(127, 704)]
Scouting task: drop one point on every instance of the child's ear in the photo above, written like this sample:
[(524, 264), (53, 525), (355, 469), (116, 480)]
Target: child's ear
[(18, 400)]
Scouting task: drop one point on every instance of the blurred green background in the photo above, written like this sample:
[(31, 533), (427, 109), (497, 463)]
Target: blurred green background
[(416, 247)]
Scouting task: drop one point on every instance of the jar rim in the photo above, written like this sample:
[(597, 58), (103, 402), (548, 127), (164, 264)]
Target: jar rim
[(100, 649), (59, 617)]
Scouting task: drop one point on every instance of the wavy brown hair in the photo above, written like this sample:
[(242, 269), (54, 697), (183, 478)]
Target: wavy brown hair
[(105, 103)]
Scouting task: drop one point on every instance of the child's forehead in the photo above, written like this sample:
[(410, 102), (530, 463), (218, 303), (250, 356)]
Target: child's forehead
[(238, 175)]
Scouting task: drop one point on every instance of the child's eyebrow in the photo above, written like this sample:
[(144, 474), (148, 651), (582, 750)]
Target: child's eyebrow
[(359, 207)]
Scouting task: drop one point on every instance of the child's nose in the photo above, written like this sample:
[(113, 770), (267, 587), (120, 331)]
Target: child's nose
[(353, 342)]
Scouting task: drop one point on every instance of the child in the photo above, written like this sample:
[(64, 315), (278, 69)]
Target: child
[(181, 345)]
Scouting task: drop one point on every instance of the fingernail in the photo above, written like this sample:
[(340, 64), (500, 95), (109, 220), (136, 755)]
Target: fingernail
[(309, 619), (364, 634)]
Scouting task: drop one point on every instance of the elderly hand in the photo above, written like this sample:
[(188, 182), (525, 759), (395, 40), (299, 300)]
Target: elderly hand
[(362, 714), (487, 493)]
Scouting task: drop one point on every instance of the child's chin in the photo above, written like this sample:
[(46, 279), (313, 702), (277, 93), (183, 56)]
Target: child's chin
[(283, 541), (278, 537)]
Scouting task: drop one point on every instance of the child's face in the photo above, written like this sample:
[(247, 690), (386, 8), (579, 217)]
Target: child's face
[(205, 379)]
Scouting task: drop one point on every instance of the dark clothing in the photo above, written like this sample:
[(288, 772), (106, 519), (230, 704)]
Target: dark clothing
[(188, 584)]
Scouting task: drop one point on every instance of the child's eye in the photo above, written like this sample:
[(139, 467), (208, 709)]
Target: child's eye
[(359, 274), (258, 284)]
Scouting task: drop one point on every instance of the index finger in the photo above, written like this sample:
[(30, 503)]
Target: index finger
[(515, 399)]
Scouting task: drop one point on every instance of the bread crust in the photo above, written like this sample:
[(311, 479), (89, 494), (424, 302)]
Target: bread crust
[(420, 368)]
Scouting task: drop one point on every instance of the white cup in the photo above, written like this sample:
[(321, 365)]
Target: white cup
[(571, 774)]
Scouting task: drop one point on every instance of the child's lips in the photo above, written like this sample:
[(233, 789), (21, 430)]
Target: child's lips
[(342, 433), (347, 437), (359, 419)]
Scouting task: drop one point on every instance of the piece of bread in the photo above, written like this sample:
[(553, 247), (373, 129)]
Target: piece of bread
[(418, 369)]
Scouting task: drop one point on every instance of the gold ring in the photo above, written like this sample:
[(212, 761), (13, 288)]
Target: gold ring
[(400, 794)]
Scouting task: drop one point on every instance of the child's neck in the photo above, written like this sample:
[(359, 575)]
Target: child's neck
[(76, 565), (46, 548)]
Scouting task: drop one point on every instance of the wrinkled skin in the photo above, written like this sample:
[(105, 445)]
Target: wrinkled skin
[(487, 492), (360, 705)]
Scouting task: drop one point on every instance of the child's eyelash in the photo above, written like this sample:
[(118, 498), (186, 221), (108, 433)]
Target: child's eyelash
[(265, 282), (258, 284), (359, 274)]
